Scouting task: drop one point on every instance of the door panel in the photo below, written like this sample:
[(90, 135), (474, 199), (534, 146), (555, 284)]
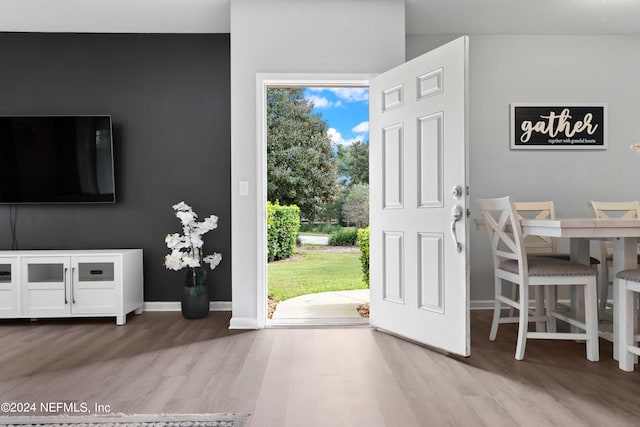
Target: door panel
[(431, 268), (430, 156), (393, 285), (393, 158), (419, 278)]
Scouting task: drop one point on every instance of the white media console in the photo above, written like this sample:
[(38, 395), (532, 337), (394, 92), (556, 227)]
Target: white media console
[(83, 283)]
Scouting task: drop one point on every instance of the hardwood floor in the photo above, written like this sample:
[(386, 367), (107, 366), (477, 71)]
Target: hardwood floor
[(351, 376)]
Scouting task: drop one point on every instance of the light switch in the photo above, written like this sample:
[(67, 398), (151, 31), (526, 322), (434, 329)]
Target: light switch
[(244, 188)]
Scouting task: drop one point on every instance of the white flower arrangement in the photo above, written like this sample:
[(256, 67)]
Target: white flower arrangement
[(186, 249)]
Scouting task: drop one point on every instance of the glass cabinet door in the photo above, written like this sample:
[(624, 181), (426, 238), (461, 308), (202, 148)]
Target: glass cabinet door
[(6, 268), (48, 286), (45, 273), (9, 287)]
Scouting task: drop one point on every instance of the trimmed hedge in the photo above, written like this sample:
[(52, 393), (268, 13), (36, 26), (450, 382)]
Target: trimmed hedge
[(344, 237), (283, 223), (363, 241), (320, 228)]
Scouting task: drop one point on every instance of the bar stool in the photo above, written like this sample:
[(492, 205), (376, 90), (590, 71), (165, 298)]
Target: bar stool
[(603, 210), (629, 281), (511, 264), (542, 245)]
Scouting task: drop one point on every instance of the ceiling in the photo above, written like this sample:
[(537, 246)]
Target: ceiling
[(423, 17), (522, 16)]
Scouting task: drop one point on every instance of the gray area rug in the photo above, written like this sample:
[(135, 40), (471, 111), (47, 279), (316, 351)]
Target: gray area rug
[(122, 420)]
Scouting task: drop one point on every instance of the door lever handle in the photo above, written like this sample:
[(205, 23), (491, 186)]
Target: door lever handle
[(456, 214)]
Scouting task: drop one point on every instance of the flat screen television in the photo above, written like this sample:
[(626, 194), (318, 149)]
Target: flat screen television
[(56, 159)]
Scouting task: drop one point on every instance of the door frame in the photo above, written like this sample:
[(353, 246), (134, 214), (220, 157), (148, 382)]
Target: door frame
[(263, 82)]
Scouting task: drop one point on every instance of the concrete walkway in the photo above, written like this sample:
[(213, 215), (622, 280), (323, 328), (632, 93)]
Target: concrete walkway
[(315, 240), (339, 307)]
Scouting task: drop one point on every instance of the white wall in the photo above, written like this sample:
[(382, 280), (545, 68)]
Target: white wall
[(506, 69), (357, 36), (292, 36)]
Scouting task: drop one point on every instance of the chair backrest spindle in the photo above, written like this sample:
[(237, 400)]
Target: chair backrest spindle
[(537, 210), (503, 226), (603, 210)]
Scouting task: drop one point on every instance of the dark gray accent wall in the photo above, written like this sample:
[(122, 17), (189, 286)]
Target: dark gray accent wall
[(169, 98)]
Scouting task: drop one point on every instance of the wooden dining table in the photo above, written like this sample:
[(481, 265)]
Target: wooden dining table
[(624, 233)]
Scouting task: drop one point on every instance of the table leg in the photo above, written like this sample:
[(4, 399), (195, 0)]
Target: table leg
[(579, 252), (625, 256)]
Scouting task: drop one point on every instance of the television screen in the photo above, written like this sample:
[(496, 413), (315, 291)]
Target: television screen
[(56, 159)]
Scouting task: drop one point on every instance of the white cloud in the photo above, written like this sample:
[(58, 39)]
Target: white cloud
[(334, 135), (337, 139), (351, 94), (348, 94), (360, 138), (322, 102), (318, 101), (361, 127)]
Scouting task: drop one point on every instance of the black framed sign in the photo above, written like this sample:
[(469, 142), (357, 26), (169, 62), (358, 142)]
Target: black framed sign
[(558, 126)]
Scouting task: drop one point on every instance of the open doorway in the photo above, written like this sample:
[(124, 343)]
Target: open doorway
[(320, 144), (418, 291)]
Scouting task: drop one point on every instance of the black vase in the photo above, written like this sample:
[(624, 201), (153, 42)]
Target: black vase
[(194, 306)]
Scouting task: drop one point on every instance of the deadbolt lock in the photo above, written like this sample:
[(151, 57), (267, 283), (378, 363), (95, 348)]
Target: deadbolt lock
[(456, 192)]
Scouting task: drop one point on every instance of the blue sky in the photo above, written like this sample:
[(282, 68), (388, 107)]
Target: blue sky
[(346, 110)]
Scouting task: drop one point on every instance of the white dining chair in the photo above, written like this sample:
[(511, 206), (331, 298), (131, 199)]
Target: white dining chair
[(629, 281), (541, 245), (536, 245), (511, 264), (602, 210)]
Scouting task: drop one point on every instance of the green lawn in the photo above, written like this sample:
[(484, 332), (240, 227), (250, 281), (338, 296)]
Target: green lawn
[(318, 271)]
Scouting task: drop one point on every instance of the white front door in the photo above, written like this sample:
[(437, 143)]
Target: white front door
[(419, 270)]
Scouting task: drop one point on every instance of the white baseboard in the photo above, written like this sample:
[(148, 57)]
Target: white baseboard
[(252, 323), (481, 304), (488, 304), (175, 306)]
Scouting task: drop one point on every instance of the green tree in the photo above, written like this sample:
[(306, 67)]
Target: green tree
[(301, 164), (353, 163), (353, 169), (343, 157), (356, 206), (359, 167)]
